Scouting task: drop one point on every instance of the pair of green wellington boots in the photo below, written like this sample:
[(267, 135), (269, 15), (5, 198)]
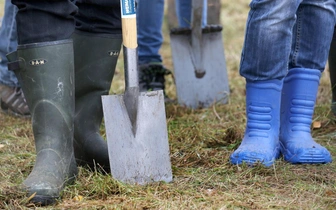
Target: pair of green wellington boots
[(63, 82)]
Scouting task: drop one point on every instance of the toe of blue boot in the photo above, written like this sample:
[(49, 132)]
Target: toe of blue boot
[(252, 154), (305, 153)]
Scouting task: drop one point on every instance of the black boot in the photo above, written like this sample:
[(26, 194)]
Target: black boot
[(152, 78), (95, 61), (45, 71)]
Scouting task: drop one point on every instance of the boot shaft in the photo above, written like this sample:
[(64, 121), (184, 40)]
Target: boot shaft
[(298, 99), (46, 72), (263, 108), (96, 57)]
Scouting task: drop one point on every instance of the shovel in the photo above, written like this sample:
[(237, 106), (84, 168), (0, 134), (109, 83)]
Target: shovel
[(199, 63), (135, 122)]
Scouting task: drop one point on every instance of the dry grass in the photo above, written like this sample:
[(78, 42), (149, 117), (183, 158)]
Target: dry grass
[(200, 143)]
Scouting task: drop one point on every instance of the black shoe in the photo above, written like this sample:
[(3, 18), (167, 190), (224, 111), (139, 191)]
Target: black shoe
[(13, 101), (151, 78)]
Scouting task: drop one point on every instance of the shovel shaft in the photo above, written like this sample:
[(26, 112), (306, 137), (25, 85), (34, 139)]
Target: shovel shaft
[(131, 67), (131, 95), (129, 32), (197, 13), (196, 37)]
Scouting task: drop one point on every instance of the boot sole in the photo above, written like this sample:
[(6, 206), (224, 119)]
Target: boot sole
[(43, 200), (306, 157)]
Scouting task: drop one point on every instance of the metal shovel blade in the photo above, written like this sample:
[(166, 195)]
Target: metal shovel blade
[(213, 87), (136, 127), (142, 156)]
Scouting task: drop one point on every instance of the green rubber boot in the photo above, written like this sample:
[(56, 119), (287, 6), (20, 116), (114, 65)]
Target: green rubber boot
[(95, 61), (332, 69), (45, 72)]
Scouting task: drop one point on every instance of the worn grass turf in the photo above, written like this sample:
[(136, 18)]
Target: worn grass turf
[(200, 143)]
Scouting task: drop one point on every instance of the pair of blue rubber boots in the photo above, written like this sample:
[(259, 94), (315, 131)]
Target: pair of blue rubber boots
[(279, 115)]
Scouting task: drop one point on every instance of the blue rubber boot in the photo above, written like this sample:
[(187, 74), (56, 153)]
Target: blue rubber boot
[(297, 108), (261, 138)]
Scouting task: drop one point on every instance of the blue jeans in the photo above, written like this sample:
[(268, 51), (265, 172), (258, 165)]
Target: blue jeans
[(281, 35), (8, 43), (149, 25), (149, 28)]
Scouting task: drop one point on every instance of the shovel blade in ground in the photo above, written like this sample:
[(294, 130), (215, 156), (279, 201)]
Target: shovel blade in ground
[(142, 156), (213, 87)]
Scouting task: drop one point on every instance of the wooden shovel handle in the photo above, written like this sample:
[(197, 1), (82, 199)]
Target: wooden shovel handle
[(128, 22), (129, 32)]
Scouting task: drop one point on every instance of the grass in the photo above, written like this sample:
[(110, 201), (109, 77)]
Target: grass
[(200, 142)]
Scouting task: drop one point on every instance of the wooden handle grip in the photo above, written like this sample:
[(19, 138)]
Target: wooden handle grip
[(129, 31)]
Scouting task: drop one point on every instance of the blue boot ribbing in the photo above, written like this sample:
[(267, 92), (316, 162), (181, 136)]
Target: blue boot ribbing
[(261, 138), (297, 108)]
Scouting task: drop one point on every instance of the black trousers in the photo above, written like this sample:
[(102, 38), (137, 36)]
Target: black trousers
[(51, 20)]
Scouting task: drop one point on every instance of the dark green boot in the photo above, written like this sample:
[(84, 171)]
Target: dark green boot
[(95, 61), (45, 72), (332, 70)]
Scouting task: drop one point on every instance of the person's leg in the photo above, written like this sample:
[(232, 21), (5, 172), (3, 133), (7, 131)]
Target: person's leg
[(268, 39), (97, 43), (149, 28), (332, 71), (8, 43), (264, 65), (312, 36), (43, 63), (11, 97), (184, 13)]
